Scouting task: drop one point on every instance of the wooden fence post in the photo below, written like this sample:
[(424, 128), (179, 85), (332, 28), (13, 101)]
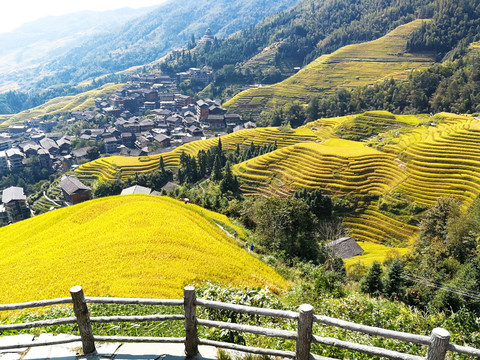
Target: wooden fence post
[(440, 339), (191, 333), (83, 319), (304, 340)]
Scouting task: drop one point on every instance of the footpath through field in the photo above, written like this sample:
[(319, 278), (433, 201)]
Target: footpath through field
[(113, 351)]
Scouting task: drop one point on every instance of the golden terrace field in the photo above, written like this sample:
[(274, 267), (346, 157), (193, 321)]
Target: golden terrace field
[(349, 67), (417, 158), (338, 166), (108, 168), (134, 246), (435, 158), (83, 101)]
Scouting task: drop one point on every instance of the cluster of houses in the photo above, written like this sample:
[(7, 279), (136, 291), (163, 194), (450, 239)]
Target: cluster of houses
[(146, 116)]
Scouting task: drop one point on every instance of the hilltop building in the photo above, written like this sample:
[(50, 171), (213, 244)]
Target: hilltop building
[(15, 204), (207, 37), (74, 191)]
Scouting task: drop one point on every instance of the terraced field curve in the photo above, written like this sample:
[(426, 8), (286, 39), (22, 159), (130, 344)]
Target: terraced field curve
[(338, 166), (349, 67), (111, 167)]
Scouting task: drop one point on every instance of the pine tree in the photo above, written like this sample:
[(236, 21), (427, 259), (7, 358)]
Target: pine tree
[(371, 283), (162, 165), (217, 169), (394, 279), (229, 182)]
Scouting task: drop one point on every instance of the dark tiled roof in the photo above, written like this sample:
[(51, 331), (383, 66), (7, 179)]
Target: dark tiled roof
[(72, 185), (345, 247)]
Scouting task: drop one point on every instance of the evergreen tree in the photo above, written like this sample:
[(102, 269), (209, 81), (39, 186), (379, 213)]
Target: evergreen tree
[(162, 165), (217, 169), (371, 283), (229, 182), (394, 280)]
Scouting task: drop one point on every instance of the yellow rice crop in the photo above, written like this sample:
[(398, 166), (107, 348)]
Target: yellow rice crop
[(107, 168), (349, 67), (374, 252), (63, 104), (134, 246)]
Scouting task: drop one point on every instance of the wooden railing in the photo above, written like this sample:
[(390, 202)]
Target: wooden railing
[(438, 343)]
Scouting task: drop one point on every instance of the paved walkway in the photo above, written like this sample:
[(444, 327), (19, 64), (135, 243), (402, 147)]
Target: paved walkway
[(105, 351)]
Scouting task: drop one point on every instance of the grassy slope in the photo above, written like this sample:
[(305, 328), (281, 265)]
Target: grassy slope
[(136, 245), (351, 66), (63, 104)]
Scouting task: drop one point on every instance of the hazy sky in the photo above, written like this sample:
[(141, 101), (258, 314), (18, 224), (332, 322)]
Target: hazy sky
[(16, 12)]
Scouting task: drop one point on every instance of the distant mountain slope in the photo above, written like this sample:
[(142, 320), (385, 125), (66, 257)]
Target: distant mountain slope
[(150, 36), (25, 49), (135, 246), (349, 67)]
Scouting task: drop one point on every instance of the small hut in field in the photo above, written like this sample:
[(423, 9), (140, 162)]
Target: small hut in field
[(345, 247)]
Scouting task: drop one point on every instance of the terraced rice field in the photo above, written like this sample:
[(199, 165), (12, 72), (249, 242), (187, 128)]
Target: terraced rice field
[(443, 162), (371, 225), (439, 158), (339, 166), (134, 246), (64, 104), (349, 67), (423, 158), (374, 252), (111, 167)]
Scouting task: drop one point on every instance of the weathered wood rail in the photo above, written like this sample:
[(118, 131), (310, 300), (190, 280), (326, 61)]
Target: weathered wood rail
[(438, 343)]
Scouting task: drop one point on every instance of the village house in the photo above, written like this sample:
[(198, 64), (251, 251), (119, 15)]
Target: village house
[(64, 145), (215, 122), (15, 159), (54, 135), (47, 126), (345, 247), (3, 215), (5, 144), (3, 163), (15, 204), (127, 139), (50, 145), (80, 154), (29, 148), (74, 191), (17, 129), (44, 158), (110, 145), (163, 139), (136, 189)]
